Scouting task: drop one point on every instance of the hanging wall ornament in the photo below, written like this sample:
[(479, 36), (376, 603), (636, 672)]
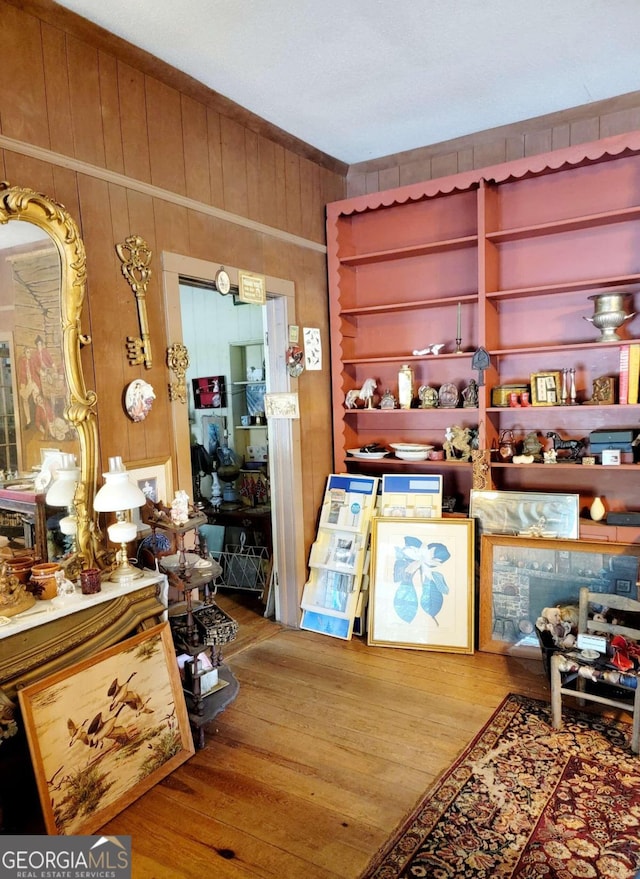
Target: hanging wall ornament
[(178, 363), (135, 256), (295, 357)]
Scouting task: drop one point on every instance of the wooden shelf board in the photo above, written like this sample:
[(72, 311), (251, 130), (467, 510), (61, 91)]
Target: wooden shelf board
[(406, 358), (563, 287), (571, 224), (408, 305), (563, 465), (581, 407), (361, 259), (566, 346)]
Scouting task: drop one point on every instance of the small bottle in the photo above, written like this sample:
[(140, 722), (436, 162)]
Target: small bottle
[(405, 387)]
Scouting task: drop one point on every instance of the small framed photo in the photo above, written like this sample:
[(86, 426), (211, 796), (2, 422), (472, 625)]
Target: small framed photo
[(421, 586), (546, 388), (153, 478)]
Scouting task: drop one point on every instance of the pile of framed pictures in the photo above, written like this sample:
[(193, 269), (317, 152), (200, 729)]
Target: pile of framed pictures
[(531, 558), (334, 596)]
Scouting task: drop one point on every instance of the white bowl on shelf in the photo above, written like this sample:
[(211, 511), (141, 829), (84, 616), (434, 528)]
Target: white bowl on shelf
[(405, 455), (410, 447)]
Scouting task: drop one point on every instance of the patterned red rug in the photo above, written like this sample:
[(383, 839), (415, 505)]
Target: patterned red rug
[(527, 801)]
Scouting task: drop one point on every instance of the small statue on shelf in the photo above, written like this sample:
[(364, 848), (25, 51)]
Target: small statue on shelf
[(532, 445), (428, 397), (430, 349), (470, 395), (388, 401), (365, 393), (458, 443), (603, 393), (180, 508)]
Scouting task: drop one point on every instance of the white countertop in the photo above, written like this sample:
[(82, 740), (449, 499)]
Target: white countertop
[(46, 611)]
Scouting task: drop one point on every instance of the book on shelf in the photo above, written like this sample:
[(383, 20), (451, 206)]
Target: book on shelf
[(634, 373), (623, 381)]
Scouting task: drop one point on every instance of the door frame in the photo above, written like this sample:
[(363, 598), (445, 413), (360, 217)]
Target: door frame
[(285, 457)]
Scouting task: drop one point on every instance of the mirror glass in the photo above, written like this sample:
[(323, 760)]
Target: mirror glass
[(33, 389), (47, 417)]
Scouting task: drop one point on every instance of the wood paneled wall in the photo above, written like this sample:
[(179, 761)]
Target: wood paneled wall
[(132, 146), (494, 146)]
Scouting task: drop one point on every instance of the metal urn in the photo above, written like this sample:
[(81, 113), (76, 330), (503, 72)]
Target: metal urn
[(609, 313)]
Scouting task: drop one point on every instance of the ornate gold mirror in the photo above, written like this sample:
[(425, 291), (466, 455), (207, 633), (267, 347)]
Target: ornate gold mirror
[(45, 408)]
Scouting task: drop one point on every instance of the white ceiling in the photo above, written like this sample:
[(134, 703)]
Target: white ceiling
[(361, 79)]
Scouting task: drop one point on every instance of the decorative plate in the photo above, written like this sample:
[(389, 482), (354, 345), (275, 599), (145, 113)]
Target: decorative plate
[(371, 456), (138, 398), (410, 447)]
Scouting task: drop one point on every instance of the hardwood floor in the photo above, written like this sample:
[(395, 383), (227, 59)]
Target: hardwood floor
[(327, 747)]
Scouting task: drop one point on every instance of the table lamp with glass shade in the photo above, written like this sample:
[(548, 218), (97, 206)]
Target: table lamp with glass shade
[(62, 493), (119, 495)]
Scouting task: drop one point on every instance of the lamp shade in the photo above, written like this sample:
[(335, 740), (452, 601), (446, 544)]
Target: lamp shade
[(63, 487), (118, 493)]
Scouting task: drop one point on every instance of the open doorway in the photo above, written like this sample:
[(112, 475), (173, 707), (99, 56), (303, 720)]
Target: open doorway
[(283, 434)]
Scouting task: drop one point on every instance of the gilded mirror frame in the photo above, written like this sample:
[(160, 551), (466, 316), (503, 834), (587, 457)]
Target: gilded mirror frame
[(22, 204)]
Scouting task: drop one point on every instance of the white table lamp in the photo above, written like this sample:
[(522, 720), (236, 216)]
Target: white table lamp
[(119, 495), (61, 494)]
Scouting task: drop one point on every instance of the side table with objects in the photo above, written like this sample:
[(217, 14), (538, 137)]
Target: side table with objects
[(199, 627)]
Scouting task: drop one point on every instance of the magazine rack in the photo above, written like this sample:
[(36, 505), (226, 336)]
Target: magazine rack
[(334, 596)]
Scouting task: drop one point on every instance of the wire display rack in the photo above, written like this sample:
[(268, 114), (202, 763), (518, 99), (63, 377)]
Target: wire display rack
[(243, 567)]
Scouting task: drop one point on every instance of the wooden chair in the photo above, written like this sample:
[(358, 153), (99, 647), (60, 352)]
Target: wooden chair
[(571, 668)]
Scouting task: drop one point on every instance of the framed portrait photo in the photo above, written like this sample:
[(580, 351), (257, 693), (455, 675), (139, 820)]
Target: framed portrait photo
[(546, 388), (421, 584)]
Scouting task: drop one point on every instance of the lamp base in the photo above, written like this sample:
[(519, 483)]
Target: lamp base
[(125, 573)]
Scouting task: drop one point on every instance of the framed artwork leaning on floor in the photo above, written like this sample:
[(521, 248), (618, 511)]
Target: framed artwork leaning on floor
[(421, 586), (104, 731)]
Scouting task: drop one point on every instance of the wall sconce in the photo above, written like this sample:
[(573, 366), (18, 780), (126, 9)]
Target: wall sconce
[(62, 494), (119, 495)]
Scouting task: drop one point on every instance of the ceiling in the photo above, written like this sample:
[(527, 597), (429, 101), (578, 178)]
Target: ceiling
[(362, 79)]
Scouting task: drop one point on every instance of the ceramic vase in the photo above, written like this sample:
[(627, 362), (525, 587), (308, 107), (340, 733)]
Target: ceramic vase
[(597, 509)]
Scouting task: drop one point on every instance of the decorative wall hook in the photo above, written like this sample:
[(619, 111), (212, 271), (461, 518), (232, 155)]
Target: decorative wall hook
[(178, 363), (135, 256)]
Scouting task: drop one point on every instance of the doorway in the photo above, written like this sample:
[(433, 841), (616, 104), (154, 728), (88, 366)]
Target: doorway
[(284, 434)]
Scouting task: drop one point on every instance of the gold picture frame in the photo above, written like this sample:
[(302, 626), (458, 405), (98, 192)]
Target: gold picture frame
[(546, 388), (422, 584), (106, 730)]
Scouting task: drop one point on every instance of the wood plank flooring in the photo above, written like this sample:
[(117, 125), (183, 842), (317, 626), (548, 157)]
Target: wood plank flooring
[(327, 747)]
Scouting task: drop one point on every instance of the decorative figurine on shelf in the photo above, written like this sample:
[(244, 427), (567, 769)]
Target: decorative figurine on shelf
[(388, 401), (458, 443), (532, 446), (550, 456), (428, 397), (573, 447), (604, 391), (470, 395), (366, 394), (480, 361), (180, 508), (430, 349)]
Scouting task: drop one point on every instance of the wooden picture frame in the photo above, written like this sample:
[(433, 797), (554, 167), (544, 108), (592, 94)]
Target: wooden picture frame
[(526, 513), (546, 388), (104, 731), (520, 576), (153, 478), (421, 584)]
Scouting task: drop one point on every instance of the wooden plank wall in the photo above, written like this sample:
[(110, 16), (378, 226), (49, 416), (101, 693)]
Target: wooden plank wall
[(70, 89), (494, 146)]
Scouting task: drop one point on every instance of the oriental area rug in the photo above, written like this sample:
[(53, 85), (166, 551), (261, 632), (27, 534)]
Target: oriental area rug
[(525, 801)]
